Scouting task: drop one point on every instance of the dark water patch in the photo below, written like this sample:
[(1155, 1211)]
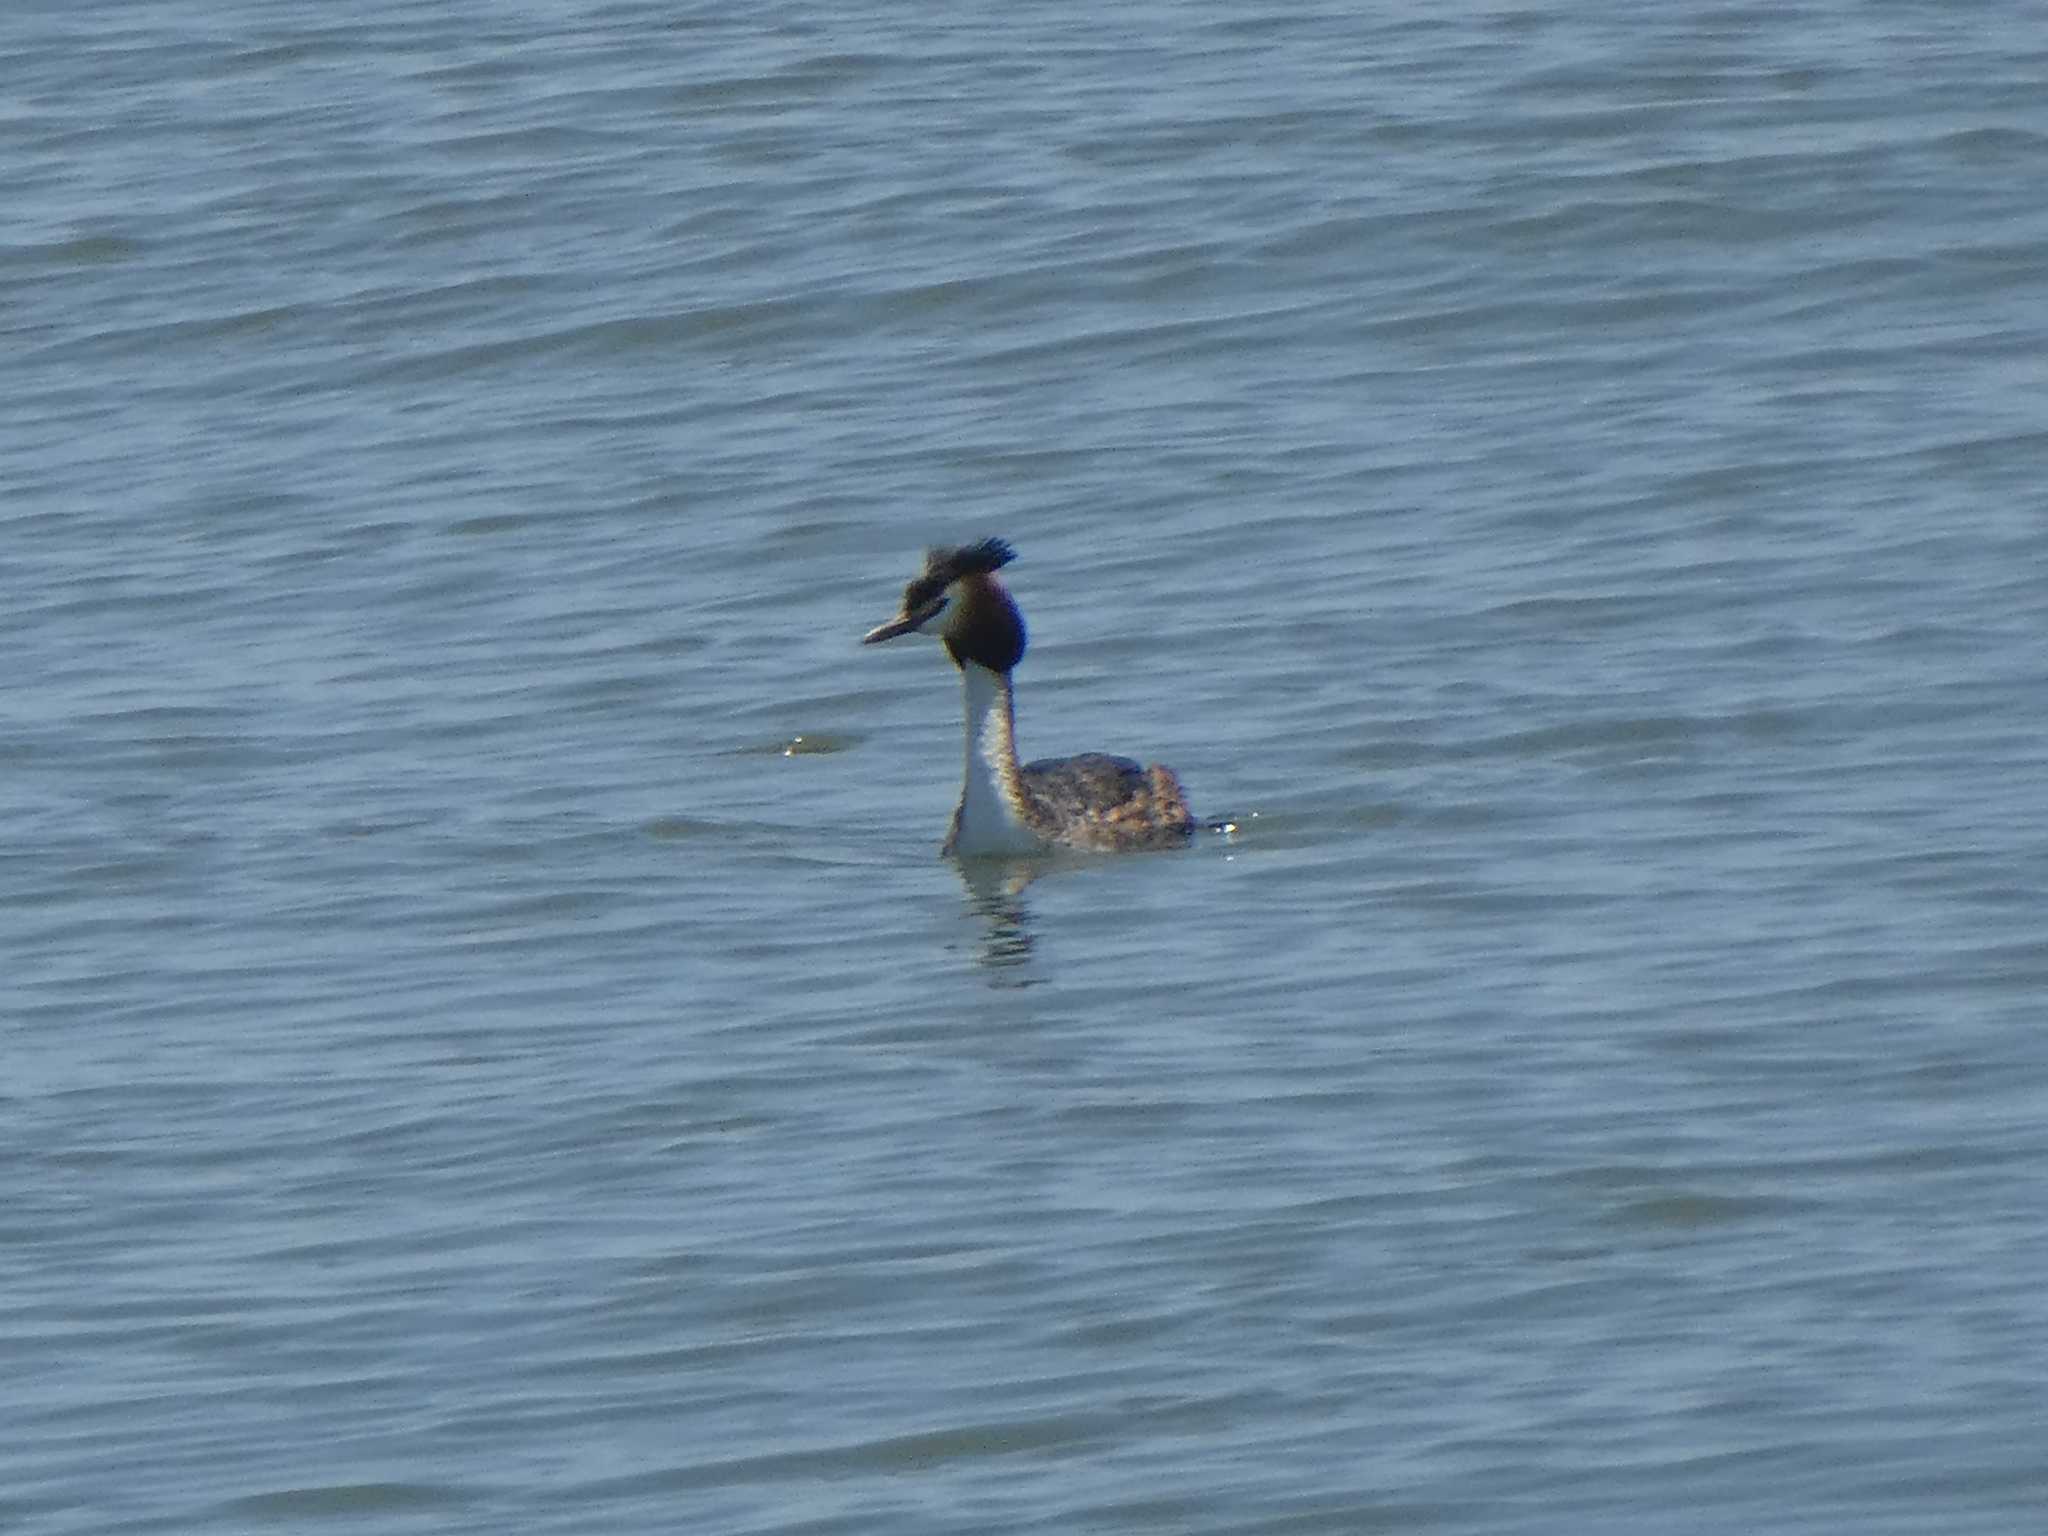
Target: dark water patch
[(84, 250), (923, 1451), (1690, 1211), (345, 1501)]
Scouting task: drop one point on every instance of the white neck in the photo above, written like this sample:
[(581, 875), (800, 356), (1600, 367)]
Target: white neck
[(990, 817)]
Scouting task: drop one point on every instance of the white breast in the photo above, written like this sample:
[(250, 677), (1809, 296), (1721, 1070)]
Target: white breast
[(988, 821)]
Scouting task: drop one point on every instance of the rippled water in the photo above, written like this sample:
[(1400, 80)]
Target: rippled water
[(491, 1045)]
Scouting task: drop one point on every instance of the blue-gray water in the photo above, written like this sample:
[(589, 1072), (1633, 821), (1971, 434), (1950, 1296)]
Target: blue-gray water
[(490, 1045)]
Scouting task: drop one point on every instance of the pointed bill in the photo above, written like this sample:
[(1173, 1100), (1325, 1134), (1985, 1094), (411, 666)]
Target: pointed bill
[(900, 625)]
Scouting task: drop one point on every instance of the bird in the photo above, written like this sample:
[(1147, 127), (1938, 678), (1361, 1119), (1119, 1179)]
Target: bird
[(1093, 801)]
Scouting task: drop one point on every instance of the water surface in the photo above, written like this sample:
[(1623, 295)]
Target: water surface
[(491, 1043)]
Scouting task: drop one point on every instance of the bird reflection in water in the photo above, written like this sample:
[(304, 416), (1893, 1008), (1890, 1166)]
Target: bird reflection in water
[(995, 895)]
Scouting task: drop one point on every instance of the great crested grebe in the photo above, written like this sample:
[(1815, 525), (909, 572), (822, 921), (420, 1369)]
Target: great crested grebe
[(1091, 801)]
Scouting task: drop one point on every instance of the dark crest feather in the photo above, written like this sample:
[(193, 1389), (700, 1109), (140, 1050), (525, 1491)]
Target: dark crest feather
[(945, 565), (981, 559)]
